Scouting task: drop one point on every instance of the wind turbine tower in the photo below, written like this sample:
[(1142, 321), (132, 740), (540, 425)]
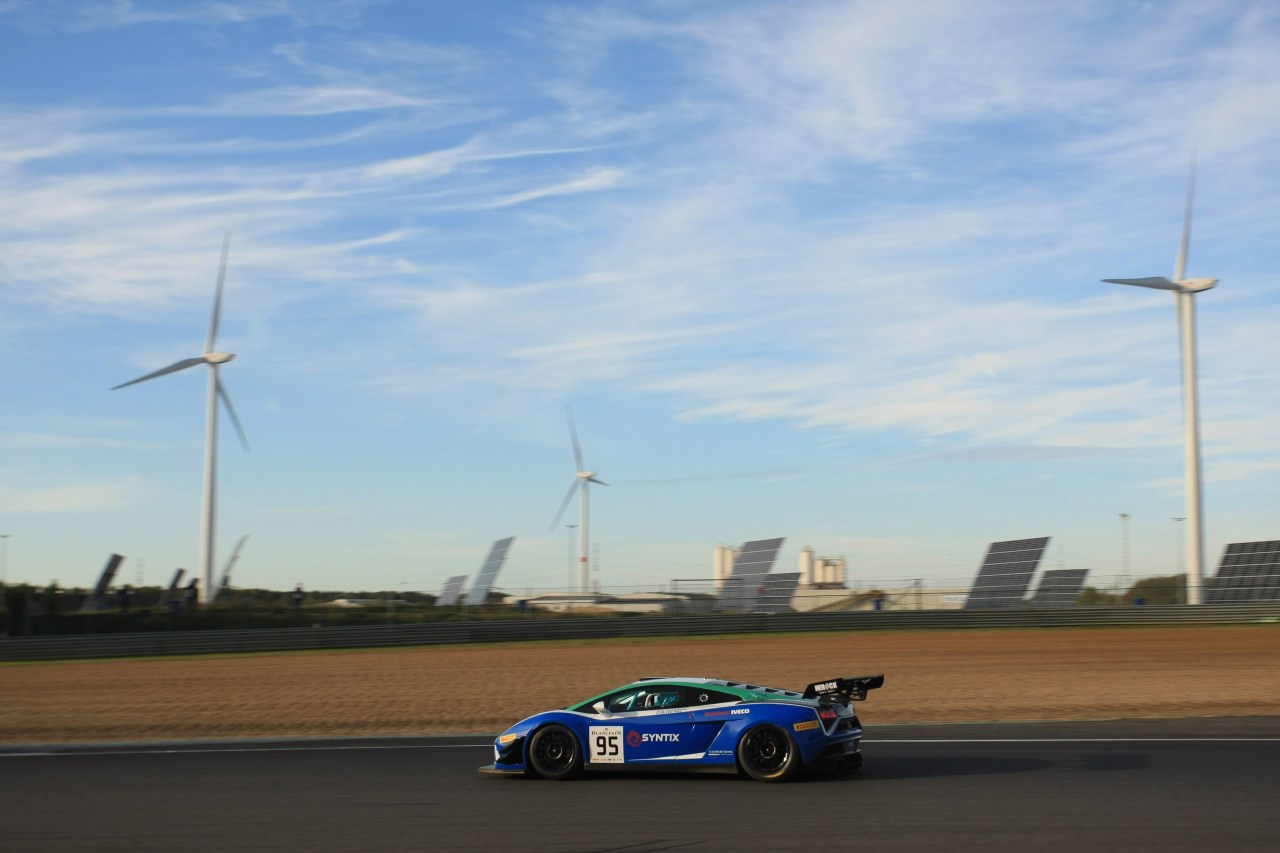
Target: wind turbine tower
[(216, 392), (1184, 290), (581, 480)]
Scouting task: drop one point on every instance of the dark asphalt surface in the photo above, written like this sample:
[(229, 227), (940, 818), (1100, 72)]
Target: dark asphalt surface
[(1132, 786)]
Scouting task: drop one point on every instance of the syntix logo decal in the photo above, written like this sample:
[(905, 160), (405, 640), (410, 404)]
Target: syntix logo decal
[(657, 738)]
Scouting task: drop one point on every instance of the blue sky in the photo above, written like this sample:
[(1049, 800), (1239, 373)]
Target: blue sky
[(827, 271)]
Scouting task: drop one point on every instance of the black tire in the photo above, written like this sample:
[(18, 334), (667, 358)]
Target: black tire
[(768, 753), (554, 753)]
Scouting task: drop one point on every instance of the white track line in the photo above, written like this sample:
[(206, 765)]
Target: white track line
[(212, 750), (1081, 740), (347, 748)]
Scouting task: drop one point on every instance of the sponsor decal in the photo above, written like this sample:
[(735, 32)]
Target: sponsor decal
[(604, 745), (506, 739), (634, 738), (667, 737), (804, 727), (825, 687), (702, 697), (740, 711)]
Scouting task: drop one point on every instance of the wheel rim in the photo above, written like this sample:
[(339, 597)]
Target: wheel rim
[(554, 750), (767, 750)]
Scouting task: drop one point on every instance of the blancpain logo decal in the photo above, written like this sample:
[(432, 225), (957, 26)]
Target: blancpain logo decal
[(660, 738)]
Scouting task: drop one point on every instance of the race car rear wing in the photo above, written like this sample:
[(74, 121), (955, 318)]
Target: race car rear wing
[(853, 688)]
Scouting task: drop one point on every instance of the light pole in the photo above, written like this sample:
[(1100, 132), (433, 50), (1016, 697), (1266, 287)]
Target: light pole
[(4, 575), (1177, 541), (4, 581), (1184, 289), (1124, 548), (570, 528)]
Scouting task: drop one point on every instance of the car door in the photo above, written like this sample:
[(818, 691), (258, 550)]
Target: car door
[(644, 725), (660, 729), (710, 712)]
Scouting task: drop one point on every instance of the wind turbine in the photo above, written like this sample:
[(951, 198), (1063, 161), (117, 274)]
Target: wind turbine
[(582, 478), (1184, 289), (215, 393)]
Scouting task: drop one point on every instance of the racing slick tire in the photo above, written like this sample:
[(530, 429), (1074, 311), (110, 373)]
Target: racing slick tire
[(554, 753), (768, 753)]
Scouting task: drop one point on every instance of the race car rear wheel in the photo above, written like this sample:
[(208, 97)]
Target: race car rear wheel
[(554, 753), (768, 754)]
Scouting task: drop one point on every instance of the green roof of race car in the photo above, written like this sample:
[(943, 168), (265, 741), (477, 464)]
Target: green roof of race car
[(742, 690)]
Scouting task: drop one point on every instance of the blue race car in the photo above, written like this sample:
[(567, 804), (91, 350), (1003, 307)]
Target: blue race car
[(693, 724)]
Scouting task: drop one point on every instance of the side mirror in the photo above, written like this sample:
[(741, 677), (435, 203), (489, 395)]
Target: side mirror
[(600, 709)]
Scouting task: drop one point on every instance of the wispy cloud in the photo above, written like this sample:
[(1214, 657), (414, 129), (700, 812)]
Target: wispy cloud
[(595, 180), (122, 493), (94, 15), (313, 101)]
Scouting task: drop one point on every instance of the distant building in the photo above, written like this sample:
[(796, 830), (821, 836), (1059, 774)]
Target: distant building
[(640, 602), (821, 572), (722, 564)]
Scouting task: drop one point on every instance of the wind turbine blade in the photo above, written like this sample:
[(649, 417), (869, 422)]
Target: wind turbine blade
[(597, 482), (173, 368), (231, 561), (231, 411), (573, 436), (1157, 282), (226, 570), (564, 504), (217, 296), (1180, 268)]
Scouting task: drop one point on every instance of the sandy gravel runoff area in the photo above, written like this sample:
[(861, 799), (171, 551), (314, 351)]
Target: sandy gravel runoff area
[(932, 676)]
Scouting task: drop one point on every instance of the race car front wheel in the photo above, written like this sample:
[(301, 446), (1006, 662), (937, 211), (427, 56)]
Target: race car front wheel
[(768, 754), (554, 753)]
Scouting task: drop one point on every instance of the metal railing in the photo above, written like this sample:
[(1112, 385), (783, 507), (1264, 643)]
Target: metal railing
[(593, 628)]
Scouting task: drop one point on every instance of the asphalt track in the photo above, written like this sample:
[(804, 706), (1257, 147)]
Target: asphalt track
[(1132, 786)]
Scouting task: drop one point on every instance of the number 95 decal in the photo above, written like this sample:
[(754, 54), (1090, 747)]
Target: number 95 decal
[(604, 745)]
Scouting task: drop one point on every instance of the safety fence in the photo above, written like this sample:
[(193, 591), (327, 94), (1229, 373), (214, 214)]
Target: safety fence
[(593, 628)]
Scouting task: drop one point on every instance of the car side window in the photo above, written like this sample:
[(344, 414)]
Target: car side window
[(645, 699), (666, 697)]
